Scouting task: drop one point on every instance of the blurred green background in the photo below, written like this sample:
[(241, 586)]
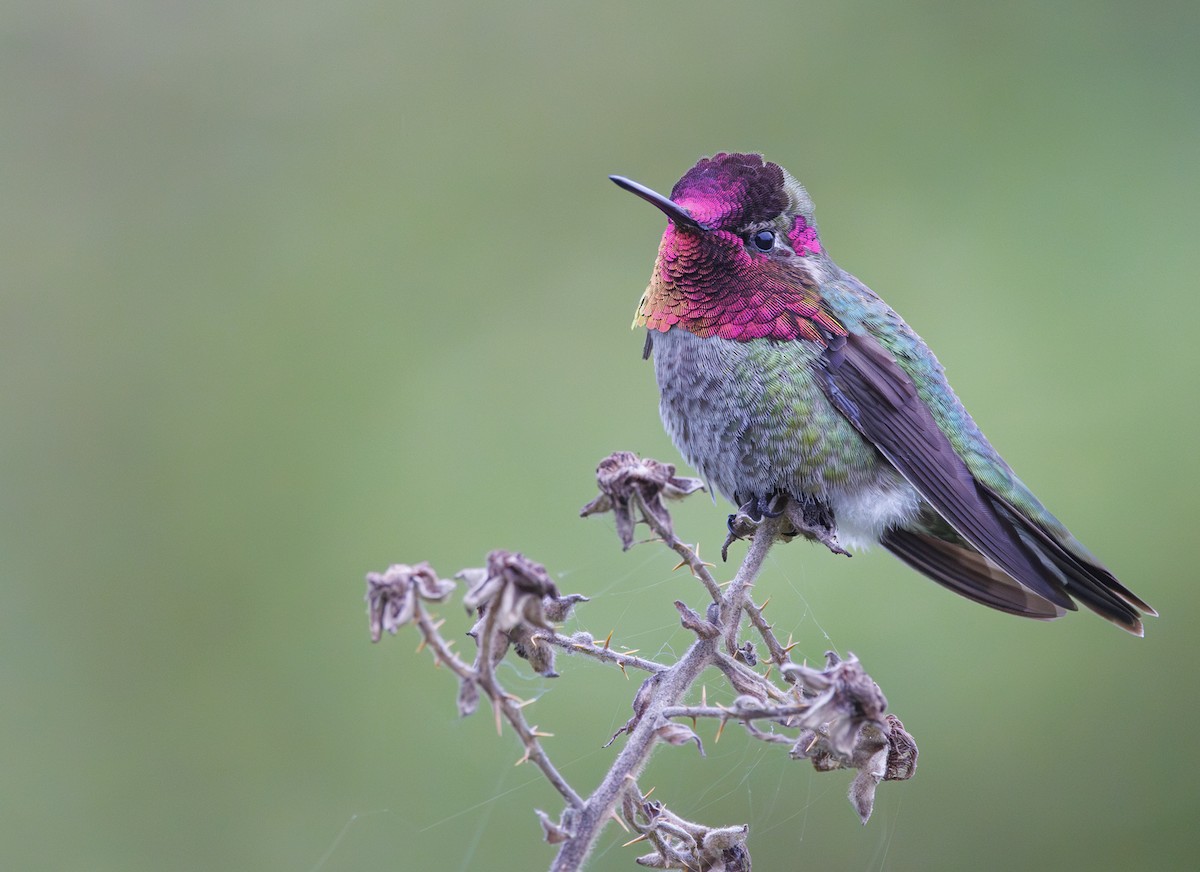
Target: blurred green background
[(291, 291)]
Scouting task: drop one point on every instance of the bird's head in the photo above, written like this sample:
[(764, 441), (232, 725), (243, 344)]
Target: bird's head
[(736, 260)]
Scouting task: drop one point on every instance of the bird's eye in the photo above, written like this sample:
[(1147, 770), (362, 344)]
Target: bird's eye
[(763, 240)]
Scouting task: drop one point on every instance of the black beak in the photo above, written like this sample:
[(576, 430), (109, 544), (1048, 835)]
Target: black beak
[(671, 209)]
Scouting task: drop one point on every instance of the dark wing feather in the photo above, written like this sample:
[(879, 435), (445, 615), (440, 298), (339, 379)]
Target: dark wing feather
[(1089, 581), (962, 569), (879, 397), (880, 400)]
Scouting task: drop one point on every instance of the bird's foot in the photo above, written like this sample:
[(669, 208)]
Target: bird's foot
[(749, 515), (807, 517), (813, 520)]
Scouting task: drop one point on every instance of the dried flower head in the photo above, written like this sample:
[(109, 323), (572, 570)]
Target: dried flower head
[(511, 588), (846, 729), (882, 755), (392, 595), (684, 845), (515, 598), (843, 699), (624, 478)]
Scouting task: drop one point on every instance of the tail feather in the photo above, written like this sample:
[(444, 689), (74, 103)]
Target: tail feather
[(1080, 575), (1068, 573), (962, 569)]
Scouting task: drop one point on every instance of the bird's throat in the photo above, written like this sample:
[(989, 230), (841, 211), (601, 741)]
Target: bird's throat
[(754, 301)]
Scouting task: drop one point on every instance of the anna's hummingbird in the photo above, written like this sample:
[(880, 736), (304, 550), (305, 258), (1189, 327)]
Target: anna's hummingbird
[(782, 375)]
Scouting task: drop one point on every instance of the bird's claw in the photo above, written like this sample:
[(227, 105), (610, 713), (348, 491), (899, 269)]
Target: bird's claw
[(750, 514), (809, 518), (813, 520)]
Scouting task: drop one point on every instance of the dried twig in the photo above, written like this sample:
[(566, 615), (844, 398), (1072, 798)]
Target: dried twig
[(834, 716)]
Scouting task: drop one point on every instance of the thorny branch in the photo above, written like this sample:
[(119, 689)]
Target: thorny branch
[(834, 717)]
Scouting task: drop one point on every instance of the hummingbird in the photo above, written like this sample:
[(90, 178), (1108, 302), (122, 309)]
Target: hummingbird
[(782, 375)]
